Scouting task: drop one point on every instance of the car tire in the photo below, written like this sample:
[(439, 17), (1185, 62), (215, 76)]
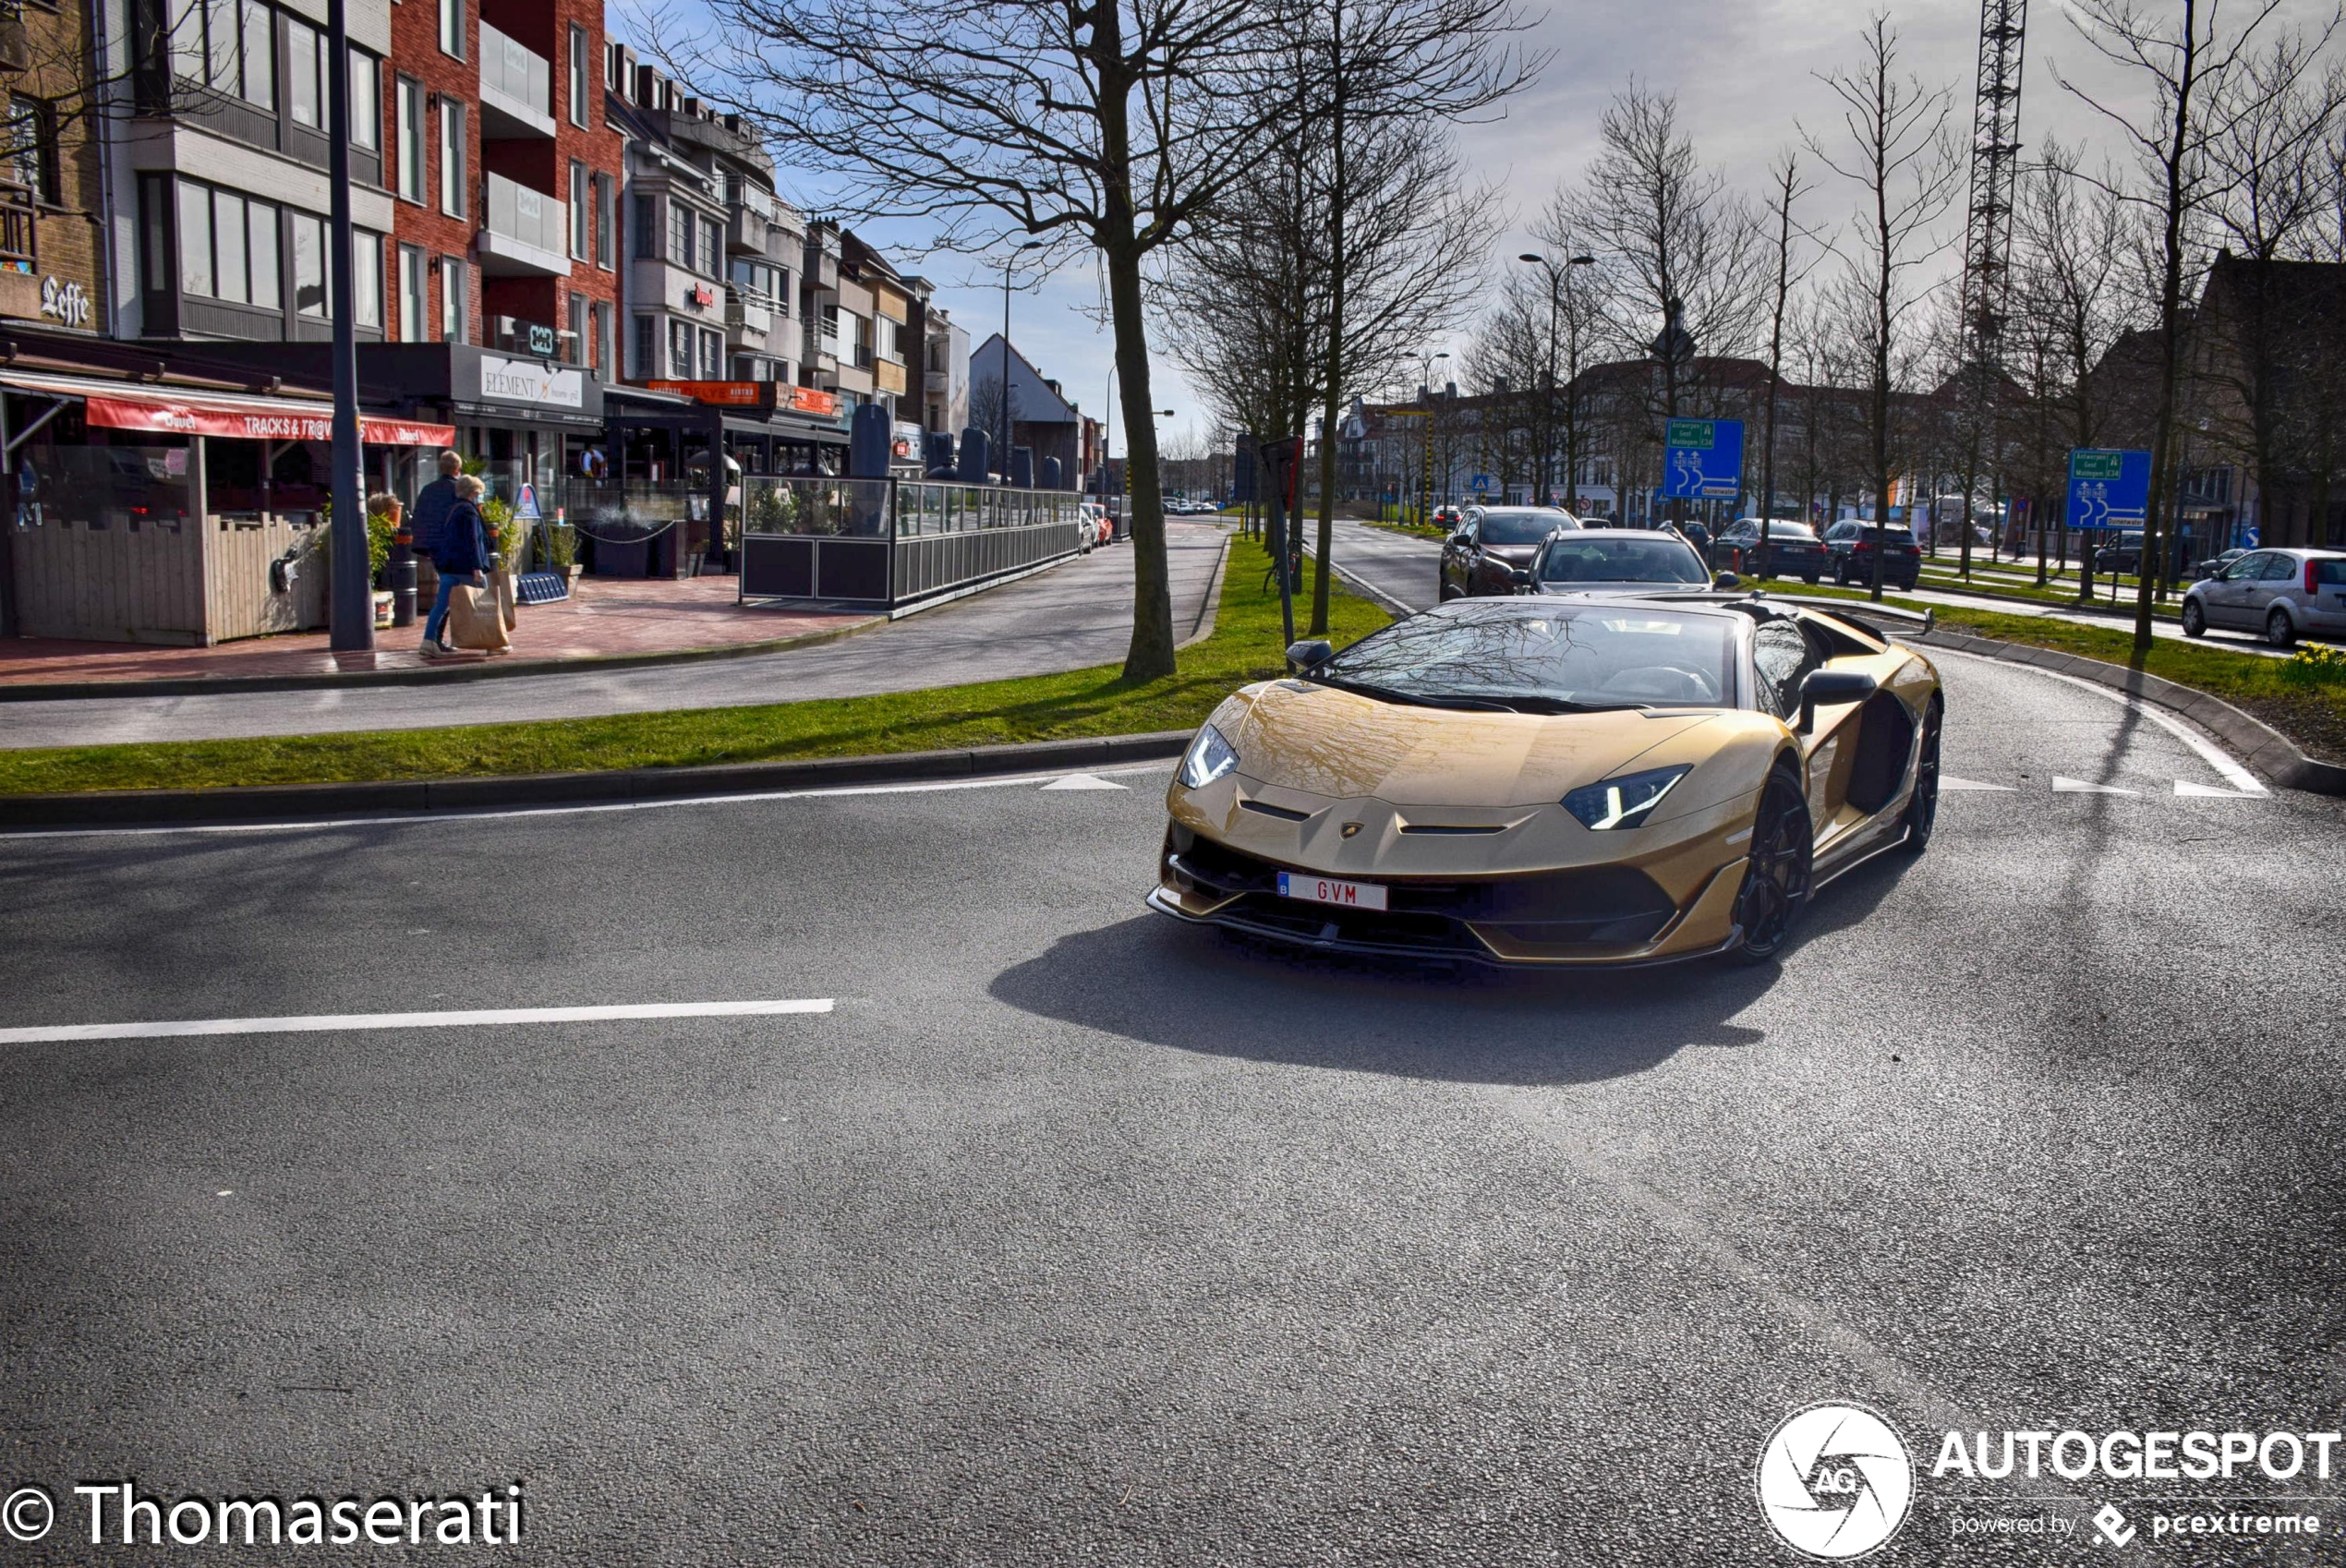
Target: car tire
[(1841, 572), (1922, 806), (1781, 871), (2195, 619), (1444, 593), (2280, 629)]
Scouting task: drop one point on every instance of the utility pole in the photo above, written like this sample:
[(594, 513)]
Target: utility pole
[(1002, 455), (352, 614), (1995, 166)]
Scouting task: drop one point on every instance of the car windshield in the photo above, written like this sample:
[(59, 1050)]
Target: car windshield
[(1521, 527), (1577, 558), (1536, 656)]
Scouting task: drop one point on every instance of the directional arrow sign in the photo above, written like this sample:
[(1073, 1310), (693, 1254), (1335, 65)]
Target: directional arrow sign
[(2108, 489), (1703, 459)]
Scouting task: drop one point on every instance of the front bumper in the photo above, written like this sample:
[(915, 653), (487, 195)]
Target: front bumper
[(1593, 917)]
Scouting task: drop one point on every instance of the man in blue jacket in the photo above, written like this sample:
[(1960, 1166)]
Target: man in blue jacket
[(461, 554)]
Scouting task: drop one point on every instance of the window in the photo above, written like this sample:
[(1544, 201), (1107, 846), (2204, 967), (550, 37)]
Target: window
[(232, 270), (647, 349), (33, 145), (1783, 657), (599, 345), (452, 276), (602, 219), (366, 101), (574, 345), (451, 158), (305, 58), (579, 81), (452, 28), (415, 303), (410, 178), (712, 356), (261, 55), (712, 247), (680, 349), (312, 295), (366, 278), (646, 224), (582, 211), (679, 234), (264, 261), (195, 238)]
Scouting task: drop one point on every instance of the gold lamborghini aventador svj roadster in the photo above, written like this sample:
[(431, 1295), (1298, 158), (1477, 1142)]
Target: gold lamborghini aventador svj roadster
[(1558, 781)]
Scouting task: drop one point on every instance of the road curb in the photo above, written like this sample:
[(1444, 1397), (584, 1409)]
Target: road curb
[(1213, 606), (2267, 752), (270, 802), (473, 669)]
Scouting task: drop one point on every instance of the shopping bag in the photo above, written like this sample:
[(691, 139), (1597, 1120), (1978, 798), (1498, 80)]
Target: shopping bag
[(504, 583), (473, 620)]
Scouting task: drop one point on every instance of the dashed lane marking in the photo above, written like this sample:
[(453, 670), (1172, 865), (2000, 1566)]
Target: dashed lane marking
[(1949, 781), (2062, 786), (1083, 782), (336, 1022)]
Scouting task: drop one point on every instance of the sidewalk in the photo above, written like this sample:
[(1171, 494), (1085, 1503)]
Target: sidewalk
[(604, 618)]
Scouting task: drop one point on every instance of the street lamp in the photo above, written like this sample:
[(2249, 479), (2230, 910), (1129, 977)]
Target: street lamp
[(1002, 459), (1426, 395), (1555, 305)]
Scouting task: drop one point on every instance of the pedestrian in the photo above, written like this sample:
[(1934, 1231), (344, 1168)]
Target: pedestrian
[(428, 517), (461, 555)]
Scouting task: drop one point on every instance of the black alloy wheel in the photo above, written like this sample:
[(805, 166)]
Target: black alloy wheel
[(2195, 619), (1922, 807), (1777, 880)]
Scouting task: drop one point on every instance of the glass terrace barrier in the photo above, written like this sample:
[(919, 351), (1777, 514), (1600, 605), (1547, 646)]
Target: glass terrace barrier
[(891, 542)]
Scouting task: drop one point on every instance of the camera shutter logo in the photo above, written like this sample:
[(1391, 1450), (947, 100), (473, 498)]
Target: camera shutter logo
[(1835, 1481)]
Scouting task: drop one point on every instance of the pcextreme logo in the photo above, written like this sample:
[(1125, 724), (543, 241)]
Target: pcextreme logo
[(1835, 1481)]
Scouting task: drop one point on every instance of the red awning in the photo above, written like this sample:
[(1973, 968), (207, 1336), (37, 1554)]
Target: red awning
[(126, 406)]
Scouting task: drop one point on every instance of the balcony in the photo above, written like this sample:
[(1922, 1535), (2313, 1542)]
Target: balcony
[(517, 90), (747, 313), (528, 232)]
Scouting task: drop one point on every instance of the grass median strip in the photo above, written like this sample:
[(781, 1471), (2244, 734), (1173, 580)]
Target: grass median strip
[(2310, 711), (1245, 646)]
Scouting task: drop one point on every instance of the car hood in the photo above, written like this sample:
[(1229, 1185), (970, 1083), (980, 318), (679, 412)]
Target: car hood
[(1298, 735)]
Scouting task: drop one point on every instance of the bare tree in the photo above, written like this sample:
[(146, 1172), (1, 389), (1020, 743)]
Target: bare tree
[(1786, 238), (1104, 125), (1898, 152), (2196, 73)]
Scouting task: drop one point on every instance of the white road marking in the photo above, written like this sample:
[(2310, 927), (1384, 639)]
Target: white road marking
[(2062, 786), (409, 1021), (2184, 787), (1949, 781), (434, 818), (1082, 781), (2239, 778)]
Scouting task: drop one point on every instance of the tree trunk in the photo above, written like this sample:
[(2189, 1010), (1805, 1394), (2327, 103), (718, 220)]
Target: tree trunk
[(1151, 654), (1333, 393)]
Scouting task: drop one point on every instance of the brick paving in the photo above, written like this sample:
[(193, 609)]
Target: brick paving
[(606, 615)]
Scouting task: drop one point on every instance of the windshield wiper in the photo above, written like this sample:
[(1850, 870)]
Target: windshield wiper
[(1413, 699), (1568, 705)]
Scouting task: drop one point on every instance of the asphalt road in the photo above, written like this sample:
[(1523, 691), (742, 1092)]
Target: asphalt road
[(1408, 569), (1071, 1235), (1070, 617)]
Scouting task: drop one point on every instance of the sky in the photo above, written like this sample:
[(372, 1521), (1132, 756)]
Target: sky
[(1744, 72)]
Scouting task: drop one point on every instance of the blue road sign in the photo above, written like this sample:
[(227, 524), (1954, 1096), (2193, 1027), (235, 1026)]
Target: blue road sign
[(1479, 483), (1703, 459), (2108, 489)]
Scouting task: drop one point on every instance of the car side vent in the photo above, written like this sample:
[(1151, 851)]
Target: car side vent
[(1280, 811), (1455, 830)]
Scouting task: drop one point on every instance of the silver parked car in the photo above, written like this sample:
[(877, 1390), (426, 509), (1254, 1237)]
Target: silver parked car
[(2281, 593)]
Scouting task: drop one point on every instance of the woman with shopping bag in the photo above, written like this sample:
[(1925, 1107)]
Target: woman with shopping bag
[(459, 617)]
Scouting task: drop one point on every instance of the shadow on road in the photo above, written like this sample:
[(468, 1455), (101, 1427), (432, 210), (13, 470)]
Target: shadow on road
[(1153, 980)]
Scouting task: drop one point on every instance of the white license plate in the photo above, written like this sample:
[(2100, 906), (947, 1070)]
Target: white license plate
[(1328, 890)]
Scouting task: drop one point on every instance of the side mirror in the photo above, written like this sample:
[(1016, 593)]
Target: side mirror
[(1726, 580), (1304, 655), (1521, 575), (1832, 686)]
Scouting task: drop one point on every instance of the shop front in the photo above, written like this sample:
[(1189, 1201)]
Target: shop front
[(679, 452), (175, 509)]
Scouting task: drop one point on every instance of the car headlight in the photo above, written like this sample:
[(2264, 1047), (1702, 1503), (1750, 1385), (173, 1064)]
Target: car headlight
[(1208, 758), (1625, 802)]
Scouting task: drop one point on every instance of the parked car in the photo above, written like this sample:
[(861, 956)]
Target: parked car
[(1793, 549), (1616, 561), (2279, 592), (2123, 554), (1102, 526), (1492, 542), (1849, 547), (2214, 564), (1447, 518)]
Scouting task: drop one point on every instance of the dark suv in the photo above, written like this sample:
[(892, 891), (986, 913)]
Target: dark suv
[(1793, 549), (1849, 547)]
